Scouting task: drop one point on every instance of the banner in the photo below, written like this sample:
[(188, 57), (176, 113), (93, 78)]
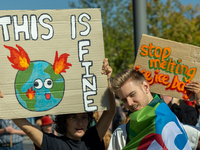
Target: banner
[(168, 66), (51, 62)]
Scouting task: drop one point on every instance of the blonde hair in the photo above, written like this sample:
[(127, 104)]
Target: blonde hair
[(124, 76)]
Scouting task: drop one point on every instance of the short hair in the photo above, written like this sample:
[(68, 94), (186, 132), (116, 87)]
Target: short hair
[(124, 76), (60, 122)]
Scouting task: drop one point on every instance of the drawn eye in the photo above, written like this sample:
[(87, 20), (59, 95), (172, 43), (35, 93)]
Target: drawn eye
[(48, 83), (38, 84)]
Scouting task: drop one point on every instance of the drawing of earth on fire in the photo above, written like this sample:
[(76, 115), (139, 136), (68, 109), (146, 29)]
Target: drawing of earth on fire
[(39, 85)]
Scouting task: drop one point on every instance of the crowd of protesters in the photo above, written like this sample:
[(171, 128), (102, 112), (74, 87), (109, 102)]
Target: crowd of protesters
[(119, 127)]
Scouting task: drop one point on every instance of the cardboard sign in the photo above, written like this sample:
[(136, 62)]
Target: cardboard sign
[(51, 62), (168, 66)]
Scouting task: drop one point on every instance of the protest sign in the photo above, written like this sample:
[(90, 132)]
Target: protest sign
[(51, 62), (168, 66)]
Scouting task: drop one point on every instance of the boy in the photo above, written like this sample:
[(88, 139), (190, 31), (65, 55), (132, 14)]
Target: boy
[(152, 125)]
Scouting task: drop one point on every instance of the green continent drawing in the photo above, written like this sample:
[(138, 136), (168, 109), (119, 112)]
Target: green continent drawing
[(38, 88)]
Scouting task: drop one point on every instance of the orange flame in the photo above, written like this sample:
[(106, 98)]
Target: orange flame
[(19, 59), (60, 64), (30, 93), (137, 68)]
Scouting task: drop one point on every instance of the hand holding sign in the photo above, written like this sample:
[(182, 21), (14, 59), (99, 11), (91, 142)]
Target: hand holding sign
[(194, 87), (1, 95), (106, 69)]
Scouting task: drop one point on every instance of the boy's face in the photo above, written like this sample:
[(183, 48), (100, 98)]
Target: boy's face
[(134, 95)]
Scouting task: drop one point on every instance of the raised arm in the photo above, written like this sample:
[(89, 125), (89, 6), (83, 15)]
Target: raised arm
[(34, 134), (107, 116)]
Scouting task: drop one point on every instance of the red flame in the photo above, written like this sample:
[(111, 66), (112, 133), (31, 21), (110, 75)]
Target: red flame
[(30, 93), (60, 64), (19, 59), (137, 68)]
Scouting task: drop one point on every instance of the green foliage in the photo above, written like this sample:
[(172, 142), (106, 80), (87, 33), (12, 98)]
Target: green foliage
[(117, 31), (167, 19), (174, 21)]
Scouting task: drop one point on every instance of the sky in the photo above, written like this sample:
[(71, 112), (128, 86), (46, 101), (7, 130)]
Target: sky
[(33, 4), (186, 2), (51, 4)]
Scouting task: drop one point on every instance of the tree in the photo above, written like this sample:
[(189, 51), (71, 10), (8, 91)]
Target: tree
[(173, 21), (166, 19), (117, 31)]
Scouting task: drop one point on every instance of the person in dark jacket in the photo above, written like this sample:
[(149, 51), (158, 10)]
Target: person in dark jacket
[(185, 113)]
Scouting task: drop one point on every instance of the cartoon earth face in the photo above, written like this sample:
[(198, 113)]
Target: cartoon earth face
[(40, 78)]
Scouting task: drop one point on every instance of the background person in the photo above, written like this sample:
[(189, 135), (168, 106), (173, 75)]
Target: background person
[(47, 125), (185, 113), (118, 117), (11, 136)]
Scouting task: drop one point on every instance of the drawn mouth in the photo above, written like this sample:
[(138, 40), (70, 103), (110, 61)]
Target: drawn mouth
[(48, 96)]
